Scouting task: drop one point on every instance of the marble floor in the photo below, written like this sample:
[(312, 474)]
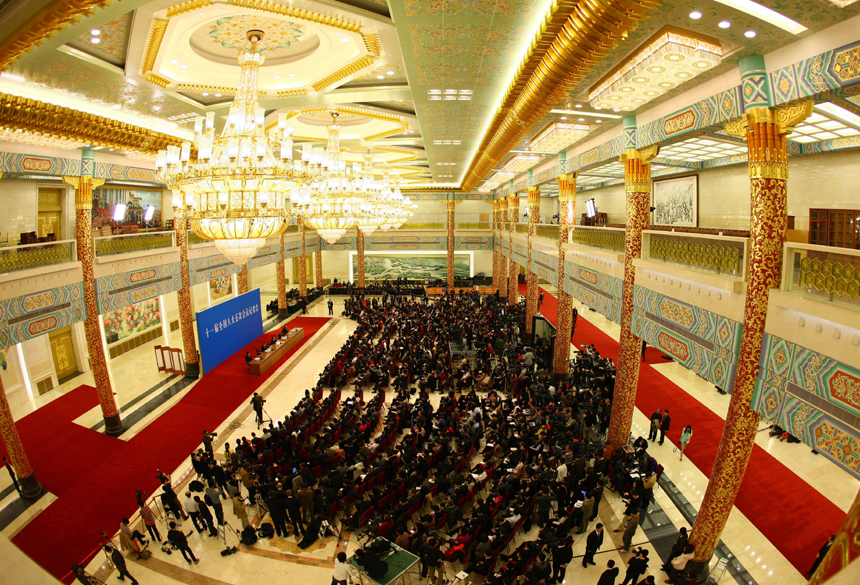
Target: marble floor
[(280, 560)]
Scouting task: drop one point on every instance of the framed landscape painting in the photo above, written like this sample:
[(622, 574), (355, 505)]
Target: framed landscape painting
[(676, 201)]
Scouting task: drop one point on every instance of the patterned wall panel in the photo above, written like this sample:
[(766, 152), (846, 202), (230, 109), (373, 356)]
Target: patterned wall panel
[(832, 70), (119, 290), (701, 115), (814, 397), (599, 291), (464, 243), (123, 173), (202, 270), (506, 247), (15, 163), (265, 255), (545, 266), (293, 248), (28, 316), (346, 243), (395, 243)]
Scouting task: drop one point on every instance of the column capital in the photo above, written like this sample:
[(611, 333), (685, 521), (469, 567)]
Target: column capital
[(637, 168), (83, 186), (566, 187)]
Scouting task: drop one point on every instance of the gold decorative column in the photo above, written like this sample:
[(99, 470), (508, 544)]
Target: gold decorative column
[(637, 187), (186, 313), (303, 267), (513, 212), (84, 186), (282, 282), (566, 215), (531, 277), (843, 552), (765, 132), (359, 258), (500, 278), (242, 279), (30, 486), (450, 204), (496, 253), (318, 268)]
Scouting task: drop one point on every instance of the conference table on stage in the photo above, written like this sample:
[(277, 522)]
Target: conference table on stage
[(260, 364)]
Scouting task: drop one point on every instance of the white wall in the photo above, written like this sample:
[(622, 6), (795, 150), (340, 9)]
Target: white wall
[(825, 180), (19, 202)]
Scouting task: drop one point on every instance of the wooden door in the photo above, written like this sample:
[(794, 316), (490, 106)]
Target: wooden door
[(63, 352)]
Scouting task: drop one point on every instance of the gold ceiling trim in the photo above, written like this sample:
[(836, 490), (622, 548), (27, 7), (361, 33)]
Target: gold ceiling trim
[(344, 72), (43, 25), (371, 42), (153, 45), (346, 110), (419, 189), (157, 79), (387, 133), (178, 9), (59, 122), (288, 93), (589, 34), (201, 88), (281, 10)]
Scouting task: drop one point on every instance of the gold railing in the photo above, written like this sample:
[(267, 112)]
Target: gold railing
[(474, 225), (111, 245), (598, 238), (432, 225), (827, 273), (521, 228), (16, 258), (547, 231), (720, 257), (195, 239), (292, 229)]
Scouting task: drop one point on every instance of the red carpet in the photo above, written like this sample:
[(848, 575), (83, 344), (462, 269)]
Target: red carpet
[(791, 514), (96, 476)]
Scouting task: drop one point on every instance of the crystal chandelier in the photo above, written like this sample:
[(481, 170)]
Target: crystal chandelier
[(384, 207), (235, 187), (331, 202)]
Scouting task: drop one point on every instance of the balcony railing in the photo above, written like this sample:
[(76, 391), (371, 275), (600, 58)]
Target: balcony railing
[(125, 244), (548, 231), (521, 228), (14, 258), (825, 273), (598, 237), (720, 254)]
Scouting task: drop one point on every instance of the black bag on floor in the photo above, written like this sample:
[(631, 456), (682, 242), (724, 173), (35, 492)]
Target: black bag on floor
[(195, 486), (267, 530), (311, 534), (249, 536)]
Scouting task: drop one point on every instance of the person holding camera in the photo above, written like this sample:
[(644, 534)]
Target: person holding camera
[(257, 402), (178, 539), (207, 443)]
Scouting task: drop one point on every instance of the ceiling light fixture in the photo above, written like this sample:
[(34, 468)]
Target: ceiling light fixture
[(663, 62), (724, 24), (766, 14), (521, 163), (95, 40), (390, 72), (695, 15), (291, 74), (590, 114), (750, 34), (558, 136), (174, 61), (344, 39), (277, 76), (95, 32)]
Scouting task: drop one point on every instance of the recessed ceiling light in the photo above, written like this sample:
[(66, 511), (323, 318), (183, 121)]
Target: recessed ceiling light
[(95, 32), (380, 77), (205, 93), (183, 66), (344, 39), (291, 74), (277, 76), (218, 94), (598, 121), (724, 24), (95, 40), (564, 117), (597, 108), (578, 106), (766, 14), (750, 34), (695, 15), (390, 72), (174, 61)]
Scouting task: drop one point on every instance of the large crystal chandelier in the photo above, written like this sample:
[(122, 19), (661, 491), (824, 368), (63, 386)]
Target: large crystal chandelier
[(331, 202), (235, 188)]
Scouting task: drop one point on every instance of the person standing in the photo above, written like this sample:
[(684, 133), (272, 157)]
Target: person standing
[(821, 554), (636, 567), (432, 558), (540, 300), (207, 443), (257, 404), (331, 312), (561, 557), (608, 576), (240, 511), (119, 562), (306, 500), (341, 567), (656, 419), (205, 516), (630, 531), (278, 512), (213, 497), (679, 563), (664, 425), (193, 511), (148, 519), (685, 438), (172, 500), (178, 539), (592, 544), (295, 512), (677, 548)]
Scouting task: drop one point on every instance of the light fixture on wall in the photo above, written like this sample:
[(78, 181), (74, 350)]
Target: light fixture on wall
[(662, 63), (558, 136)]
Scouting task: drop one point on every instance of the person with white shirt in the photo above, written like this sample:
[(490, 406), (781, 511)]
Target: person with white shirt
[(341, 570), (561, 472), (193, 511)]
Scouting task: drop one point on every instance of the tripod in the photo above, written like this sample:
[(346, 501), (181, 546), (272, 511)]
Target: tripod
[(262, 418), (225, 527)]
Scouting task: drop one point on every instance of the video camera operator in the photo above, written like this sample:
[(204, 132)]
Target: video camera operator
[(257, 403)]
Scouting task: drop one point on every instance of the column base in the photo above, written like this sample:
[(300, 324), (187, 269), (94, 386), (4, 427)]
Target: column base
[(113, 425), (31, 489), (699, 569), (560, 377), (283, 313), (192, 370)]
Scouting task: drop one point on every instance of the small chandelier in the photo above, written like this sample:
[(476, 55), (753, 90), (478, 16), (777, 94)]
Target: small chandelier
[(331, 202), (235, 187)]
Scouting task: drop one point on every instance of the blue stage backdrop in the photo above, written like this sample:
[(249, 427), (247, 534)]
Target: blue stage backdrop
[(226, 328)]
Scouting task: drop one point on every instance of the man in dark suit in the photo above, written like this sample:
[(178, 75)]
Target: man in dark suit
[(609, 575), (592, 543), (664, 425), (178, 539), (119, 562)]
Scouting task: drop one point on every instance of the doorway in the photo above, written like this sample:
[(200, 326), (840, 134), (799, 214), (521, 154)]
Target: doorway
[(50, 212), (63, 352)]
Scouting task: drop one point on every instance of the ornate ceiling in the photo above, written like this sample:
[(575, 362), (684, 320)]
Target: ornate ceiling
[(425, 79)]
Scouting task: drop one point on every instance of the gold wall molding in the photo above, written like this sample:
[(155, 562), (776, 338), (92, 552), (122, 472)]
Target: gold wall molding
[(200, 88), (344, 72), (153, 45), (43, 25), (592, 29), (288, 93), (184, 7), (347, 110), (157, 79), (281, 10), (43, 119), (372, 44)]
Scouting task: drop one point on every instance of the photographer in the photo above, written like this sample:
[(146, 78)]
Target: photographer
[(257, 403), (207, 443)]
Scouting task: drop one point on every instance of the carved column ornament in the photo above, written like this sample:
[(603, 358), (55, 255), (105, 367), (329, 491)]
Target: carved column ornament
[(282, 282), (532, 288), (566, 220), (501, 278), (186, 311)]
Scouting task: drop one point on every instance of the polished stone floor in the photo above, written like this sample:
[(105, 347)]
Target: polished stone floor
[(145, 394)]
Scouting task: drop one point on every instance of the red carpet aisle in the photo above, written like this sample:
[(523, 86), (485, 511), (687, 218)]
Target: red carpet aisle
[(791, 514), (97, 497)]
